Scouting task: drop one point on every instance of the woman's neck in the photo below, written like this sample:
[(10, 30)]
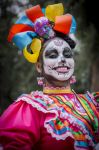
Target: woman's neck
[(56, 84), (56, 88)]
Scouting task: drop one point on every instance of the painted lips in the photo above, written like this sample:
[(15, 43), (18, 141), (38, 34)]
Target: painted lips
[(62, 69)]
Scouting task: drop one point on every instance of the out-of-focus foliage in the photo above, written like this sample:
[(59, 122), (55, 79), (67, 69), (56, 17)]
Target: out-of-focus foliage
[(18, 76)]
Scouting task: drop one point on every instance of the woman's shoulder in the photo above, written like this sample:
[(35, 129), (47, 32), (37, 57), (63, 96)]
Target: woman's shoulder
[(24, 105), (91, 99), (90, 96), (35, 98)]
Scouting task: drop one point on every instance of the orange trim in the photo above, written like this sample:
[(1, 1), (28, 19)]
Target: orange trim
[(55, 100), (80, 137)]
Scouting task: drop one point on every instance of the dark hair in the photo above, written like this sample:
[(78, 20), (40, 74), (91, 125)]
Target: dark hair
[(70, 41)]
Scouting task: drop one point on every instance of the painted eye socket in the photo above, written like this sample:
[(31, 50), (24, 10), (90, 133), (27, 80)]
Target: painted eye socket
[(53, 55), (67, 53)]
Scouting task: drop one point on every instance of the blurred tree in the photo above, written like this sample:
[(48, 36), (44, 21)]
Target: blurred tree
[(92, 12), (87, 64), (15, 72)]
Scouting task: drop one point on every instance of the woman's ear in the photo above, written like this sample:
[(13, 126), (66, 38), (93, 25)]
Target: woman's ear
[(38, 66)]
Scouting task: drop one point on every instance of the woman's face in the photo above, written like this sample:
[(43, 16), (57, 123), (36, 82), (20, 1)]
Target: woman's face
[(58, 61)]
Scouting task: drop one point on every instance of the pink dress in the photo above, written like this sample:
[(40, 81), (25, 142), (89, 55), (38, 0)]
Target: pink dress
[(46, 120)]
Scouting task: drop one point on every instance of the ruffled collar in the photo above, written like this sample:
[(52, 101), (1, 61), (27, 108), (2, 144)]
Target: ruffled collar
[(56, 90)]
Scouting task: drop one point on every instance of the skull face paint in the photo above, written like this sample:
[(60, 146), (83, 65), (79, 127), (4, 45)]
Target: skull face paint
[(58, 60)]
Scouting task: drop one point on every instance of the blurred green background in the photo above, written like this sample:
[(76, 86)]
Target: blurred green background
[(17, 76)]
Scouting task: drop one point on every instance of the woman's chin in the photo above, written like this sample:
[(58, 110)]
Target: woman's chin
[(62, 78), (59, 82)]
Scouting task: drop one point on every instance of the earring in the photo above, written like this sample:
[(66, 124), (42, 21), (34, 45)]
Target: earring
[(72, 80), (40, 80)]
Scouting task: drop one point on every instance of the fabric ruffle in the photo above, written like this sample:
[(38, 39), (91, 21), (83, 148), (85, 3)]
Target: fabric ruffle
[(64, 122)]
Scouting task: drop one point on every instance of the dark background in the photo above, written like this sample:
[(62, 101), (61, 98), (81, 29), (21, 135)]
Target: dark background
[(18, 76)]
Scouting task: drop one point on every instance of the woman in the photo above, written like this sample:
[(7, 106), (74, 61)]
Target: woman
[(57, 117)]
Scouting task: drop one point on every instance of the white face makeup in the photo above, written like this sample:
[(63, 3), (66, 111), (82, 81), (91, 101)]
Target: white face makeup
[(58, 59)]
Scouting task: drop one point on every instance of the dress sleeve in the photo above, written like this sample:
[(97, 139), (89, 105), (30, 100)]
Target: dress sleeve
[(19, 126)]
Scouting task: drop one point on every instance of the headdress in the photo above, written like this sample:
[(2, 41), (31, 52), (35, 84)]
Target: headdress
[(37, 25)]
